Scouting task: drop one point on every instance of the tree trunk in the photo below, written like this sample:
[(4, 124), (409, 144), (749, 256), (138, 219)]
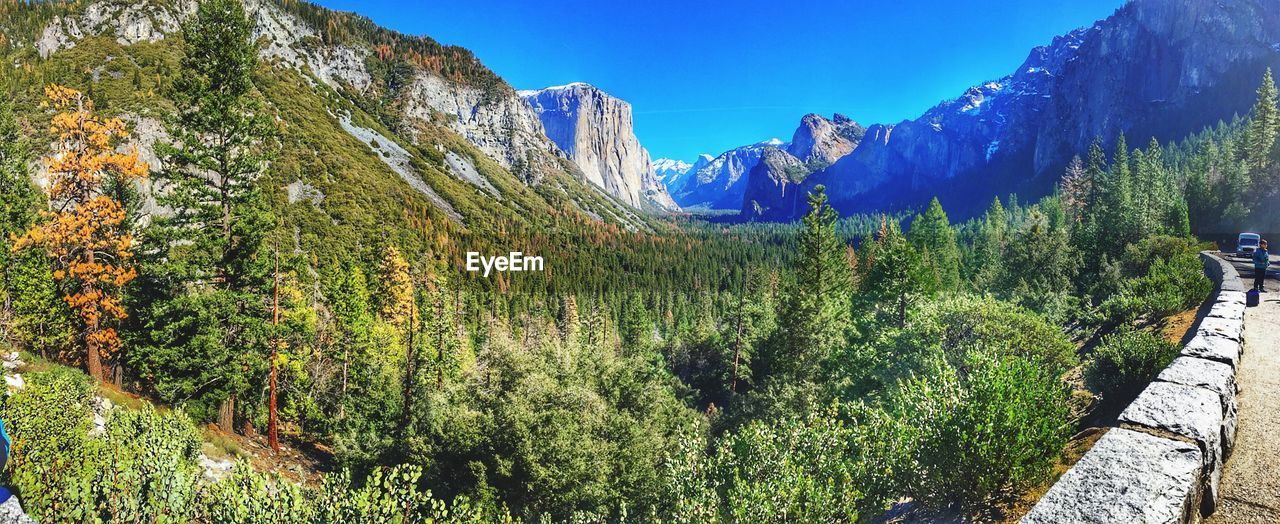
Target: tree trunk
[(93, 358), (273, 438), (227, 414)]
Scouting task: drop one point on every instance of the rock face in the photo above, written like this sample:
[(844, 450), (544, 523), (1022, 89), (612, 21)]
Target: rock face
[(719, 182), (819, 142), (595, 131), (773, 186), (1156, 68), (129, 23), (669, 169)]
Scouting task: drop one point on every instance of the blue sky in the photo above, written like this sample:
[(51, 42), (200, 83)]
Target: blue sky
[(706, 76)]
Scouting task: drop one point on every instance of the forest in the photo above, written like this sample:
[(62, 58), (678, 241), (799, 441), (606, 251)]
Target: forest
[(822, 371)]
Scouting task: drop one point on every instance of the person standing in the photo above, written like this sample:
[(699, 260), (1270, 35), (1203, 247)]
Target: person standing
[(1261, 259)]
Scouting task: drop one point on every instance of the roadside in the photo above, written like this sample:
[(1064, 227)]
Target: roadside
[(1250, 485)]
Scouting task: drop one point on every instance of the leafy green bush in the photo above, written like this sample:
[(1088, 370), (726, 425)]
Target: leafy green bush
[(141, 468), (1127, 360), (1165, 277), (993, 426), (953, 328), (817, 468)]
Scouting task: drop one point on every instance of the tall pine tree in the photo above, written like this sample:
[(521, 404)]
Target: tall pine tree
[(209, 256), (816, 313), (1264, 125), (932, 234)]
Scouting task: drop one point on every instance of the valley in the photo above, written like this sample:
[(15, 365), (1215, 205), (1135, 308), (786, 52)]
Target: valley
[(263, 261)]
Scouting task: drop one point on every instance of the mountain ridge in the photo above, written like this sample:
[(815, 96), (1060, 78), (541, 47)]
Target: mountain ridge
[(1153, 68)]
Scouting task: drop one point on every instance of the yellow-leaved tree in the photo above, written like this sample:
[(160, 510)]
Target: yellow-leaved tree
[(84, 231)]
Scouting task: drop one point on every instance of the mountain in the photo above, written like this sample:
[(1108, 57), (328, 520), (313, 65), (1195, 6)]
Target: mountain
[(383, 134), (772, 184), (720, 182), (595, 131), (673, 172), (668, 168), (1155, 68)]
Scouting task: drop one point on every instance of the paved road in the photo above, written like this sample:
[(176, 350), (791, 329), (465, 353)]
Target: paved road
[(1251, 480)]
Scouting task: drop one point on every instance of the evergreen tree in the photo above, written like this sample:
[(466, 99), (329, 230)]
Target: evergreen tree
[(220, 136), (1075, 189), (210, 257), (1040, 267), (1264, 125), (816, 313), (989, 248), (636, 327), (348, 299), (932, 234), (899, 277)]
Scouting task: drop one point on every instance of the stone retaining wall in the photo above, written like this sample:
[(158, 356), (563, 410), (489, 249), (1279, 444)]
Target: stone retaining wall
[(1163, 464)]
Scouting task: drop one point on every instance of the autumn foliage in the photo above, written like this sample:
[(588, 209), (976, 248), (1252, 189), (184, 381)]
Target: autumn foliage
[(84, 232)]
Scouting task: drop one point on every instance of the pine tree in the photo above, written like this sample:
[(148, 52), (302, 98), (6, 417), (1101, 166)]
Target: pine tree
[(221, 139), (348, 299), (816, 314), (932, 234), (1264, 125), (636, 328), (92, 251), (1075, 189), (400, 309), (899, 276), (210, 257), (988, 260)]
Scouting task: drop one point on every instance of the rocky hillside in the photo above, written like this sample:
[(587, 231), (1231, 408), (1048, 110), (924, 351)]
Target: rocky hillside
[(595, 131), (418, 134), (1156, 68)]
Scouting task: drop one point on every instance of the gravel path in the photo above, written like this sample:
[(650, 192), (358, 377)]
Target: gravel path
[(1251, 481)]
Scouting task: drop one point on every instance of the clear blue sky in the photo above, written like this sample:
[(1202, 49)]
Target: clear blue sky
[(706, 76)]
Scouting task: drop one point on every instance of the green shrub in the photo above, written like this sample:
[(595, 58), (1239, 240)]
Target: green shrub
[(1165, 276), (953, 328), (991, 427), (140, 469), (818, 468), (1127, 360)]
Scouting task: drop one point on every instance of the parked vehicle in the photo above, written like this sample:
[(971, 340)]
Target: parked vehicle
[(1247, 244)]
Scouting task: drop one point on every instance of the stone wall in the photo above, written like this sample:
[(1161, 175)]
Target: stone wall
[(1163, 464)]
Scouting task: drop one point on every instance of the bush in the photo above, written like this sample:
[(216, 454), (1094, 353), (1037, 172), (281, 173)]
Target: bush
[(1127, 360), (141, 468), (953, 328), (992, 427), (1165, 277), (818, 468)]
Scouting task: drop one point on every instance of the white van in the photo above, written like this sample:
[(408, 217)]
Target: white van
[(1247, 244)]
